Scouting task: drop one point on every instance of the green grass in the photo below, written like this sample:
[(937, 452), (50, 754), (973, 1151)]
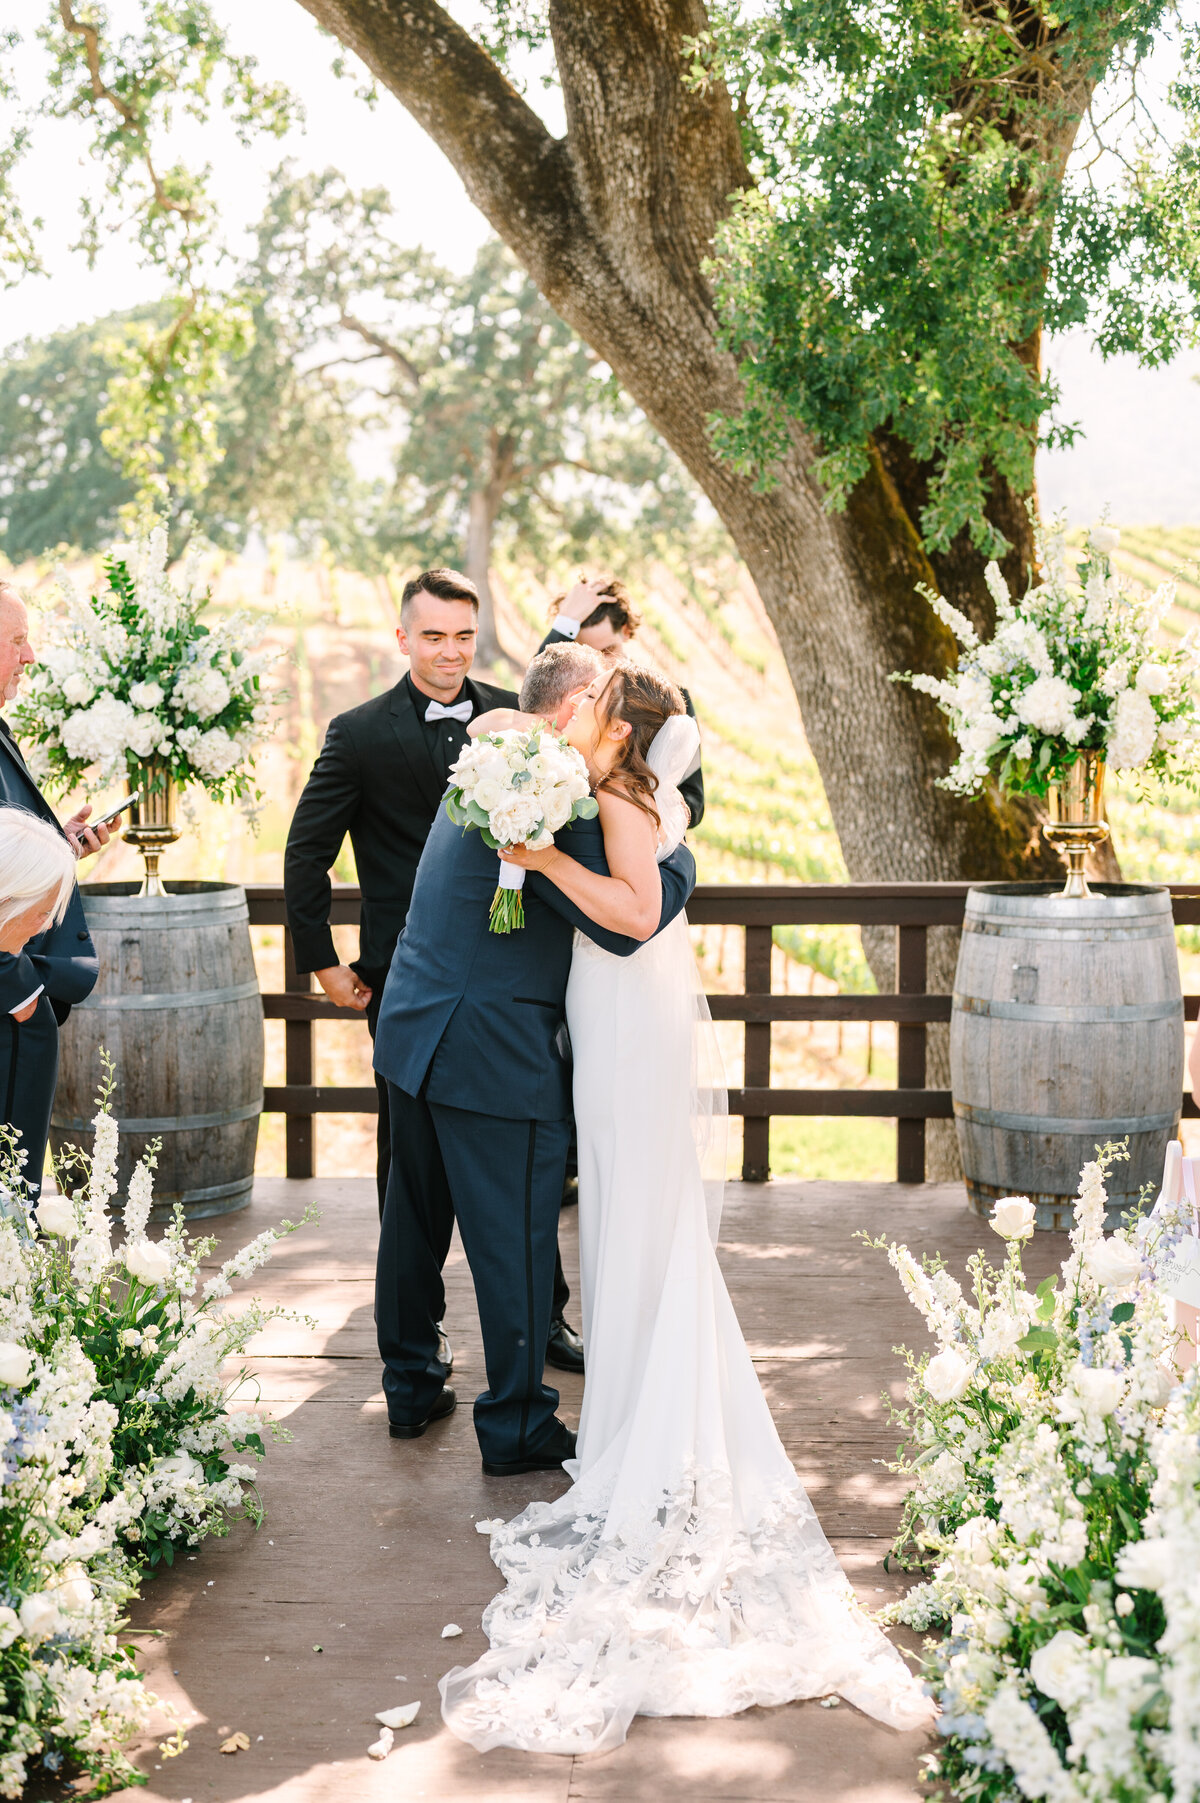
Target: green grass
[(860, 1151)]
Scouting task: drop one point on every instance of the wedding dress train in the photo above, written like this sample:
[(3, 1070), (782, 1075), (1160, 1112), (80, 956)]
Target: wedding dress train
[(685, 1571)]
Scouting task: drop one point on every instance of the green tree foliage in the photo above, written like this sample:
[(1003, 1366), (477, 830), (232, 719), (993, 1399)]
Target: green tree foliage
[(917, 222)]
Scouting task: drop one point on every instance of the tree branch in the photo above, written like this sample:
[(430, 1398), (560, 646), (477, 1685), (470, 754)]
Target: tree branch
[(383, 348)]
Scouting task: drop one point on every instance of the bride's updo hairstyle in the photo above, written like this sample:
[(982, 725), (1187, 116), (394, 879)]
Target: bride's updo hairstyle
[(646, 701)]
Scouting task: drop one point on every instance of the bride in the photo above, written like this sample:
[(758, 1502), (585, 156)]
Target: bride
[(685, 1571)]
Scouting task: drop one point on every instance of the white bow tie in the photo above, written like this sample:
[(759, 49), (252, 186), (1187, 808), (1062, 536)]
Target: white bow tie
[(462, 710)]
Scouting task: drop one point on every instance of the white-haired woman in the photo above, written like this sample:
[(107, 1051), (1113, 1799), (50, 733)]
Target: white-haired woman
[(47, 961)]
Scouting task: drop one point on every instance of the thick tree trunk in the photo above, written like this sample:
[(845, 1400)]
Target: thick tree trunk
[(481, 522)]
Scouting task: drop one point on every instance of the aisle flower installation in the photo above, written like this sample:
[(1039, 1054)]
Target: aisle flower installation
[(133, 677), (119, 1444), (1074, 665), (1054, 1461)]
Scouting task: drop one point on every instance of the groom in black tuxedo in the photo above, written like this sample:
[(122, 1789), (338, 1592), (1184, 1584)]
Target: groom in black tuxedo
[(472, 1044), (57, 968), (380, 778)]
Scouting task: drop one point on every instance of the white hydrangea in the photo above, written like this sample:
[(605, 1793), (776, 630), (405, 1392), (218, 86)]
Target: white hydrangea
[(99, 734), (1135, 730), (202, 691), (1049, 704)]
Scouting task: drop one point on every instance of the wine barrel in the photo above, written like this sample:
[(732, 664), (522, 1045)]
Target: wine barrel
[(1066, 1032), (178, 1009)]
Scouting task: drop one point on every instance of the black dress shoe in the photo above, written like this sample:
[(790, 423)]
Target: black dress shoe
[(564, 1348), (559, 1445), (570, 1193), (445, 1351), (445, 1405)]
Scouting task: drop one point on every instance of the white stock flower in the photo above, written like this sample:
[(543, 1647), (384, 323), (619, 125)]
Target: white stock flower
[(1056, 1667), (16, 1363), (138, 1202), (73, 1591), (56, 1215), (148, 1262), (146, 696), (1146, 1564), (948, 1376), (1133, 732), (1013, 1218), (1153, 679), (1113, 1262)]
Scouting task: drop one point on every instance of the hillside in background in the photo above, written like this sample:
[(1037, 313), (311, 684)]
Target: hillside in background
[(767, 819)]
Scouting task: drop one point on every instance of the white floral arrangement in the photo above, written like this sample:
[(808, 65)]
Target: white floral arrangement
[(518, 788), (1054, 1459), (134, 677), (1075, 665), (120, 1441)]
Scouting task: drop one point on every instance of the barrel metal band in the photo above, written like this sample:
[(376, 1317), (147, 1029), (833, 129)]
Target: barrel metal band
[(175, 1123), (183, 998), (1089, 1013), (1008, 928), (1049, 1123)]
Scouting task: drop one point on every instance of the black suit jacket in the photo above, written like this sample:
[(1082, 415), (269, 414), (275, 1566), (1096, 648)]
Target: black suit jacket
[(692, 786), (376, 780), (62, 959)]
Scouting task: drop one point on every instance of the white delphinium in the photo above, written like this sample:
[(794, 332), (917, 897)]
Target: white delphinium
[(1023, 1743)]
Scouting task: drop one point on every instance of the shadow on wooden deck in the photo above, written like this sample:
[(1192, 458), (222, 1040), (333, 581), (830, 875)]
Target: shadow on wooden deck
[(369, 1547)]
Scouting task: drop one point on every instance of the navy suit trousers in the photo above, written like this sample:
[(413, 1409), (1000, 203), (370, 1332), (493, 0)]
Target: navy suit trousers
[(28, 1074), (502, 1180)]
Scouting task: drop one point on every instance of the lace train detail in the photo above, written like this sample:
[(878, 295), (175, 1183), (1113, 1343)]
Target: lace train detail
[(687, 1614)]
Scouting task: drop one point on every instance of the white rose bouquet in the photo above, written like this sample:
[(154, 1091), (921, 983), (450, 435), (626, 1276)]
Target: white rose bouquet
[(518, 788), (1054, 1465), (133, 681), (1073, 666)]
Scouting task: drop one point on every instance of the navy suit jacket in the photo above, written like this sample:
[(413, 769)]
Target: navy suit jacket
[(481, 1014), (63, 959)]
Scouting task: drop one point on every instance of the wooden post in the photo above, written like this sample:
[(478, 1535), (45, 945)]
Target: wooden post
[(911, 955), (756, 1129), (298, 1068)]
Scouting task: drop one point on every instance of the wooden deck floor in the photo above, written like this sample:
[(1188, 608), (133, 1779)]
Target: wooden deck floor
[(369, 1547)]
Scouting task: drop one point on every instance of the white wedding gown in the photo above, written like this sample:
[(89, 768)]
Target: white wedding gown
[(685, 1571)]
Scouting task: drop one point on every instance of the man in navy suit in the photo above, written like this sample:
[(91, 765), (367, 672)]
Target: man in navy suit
[(58, 967), (472, 1043)]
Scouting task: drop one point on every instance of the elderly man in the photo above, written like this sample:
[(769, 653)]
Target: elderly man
[(59, 966)]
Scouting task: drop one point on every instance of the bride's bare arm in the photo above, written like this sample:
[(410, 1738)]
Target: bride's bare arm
[(629, 899), (503, 719)]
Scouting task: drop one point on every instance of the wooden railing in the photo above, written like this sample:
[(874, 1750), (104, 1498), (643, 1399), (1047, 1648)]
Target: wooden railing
[(910, 908)]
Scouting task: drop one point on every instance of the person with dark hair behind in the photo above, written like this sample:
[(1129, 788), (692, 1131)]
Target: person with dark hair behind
[(600, 613), (380, 778)]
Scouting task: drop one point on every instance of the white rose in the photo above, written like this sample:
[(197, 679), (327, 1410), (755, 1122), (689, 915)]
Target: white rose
[(1055, 1667), (1146, 1565), (1113, 1262), (146, 695), (994, 1628), (39, 1617), (1014, 1218), (1153, 679), (144, 733), (10, 1626), (1104, 539), (947, 1377), (556, 807), (15, 1364), (77, 690), (148, 1262), (178, 1469), (73, 1590), (1099, 1389), (489, 794), (54, 1214)]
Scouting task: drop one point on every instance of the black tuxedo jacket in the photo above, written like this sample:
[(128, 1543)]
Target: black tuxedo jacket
[(376, 780), (692, 786), (62, 959)]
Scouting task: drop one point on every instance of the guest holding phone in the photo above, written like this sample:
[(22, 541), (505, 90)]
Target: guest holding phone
[(57, 966)]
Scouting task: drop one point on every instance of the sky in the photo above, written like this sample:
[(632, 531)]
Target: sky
[(1138, 457)]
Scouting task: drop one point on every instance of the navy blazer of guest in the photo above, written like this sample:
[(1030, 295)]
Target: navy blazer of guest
[(63, 959), (478, 1017)]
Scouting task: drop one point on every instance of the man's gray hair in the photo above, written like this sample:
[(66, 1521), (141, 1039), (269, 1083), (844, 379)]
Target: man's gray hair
[(36, 864), (555, 673)]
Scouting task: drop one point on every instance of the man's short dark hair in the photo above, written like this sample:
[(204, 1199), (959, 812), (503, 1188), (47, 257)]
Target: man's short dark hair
[(443, 585), (618, 609)]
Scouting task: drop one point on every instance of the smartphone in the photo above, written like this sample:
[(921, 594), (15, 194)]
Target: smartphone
[(107, 819)]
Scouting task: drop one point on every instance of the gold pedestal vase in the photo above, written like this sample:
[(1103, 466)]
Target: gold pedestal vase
[(1077, 820), (152, 824)]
